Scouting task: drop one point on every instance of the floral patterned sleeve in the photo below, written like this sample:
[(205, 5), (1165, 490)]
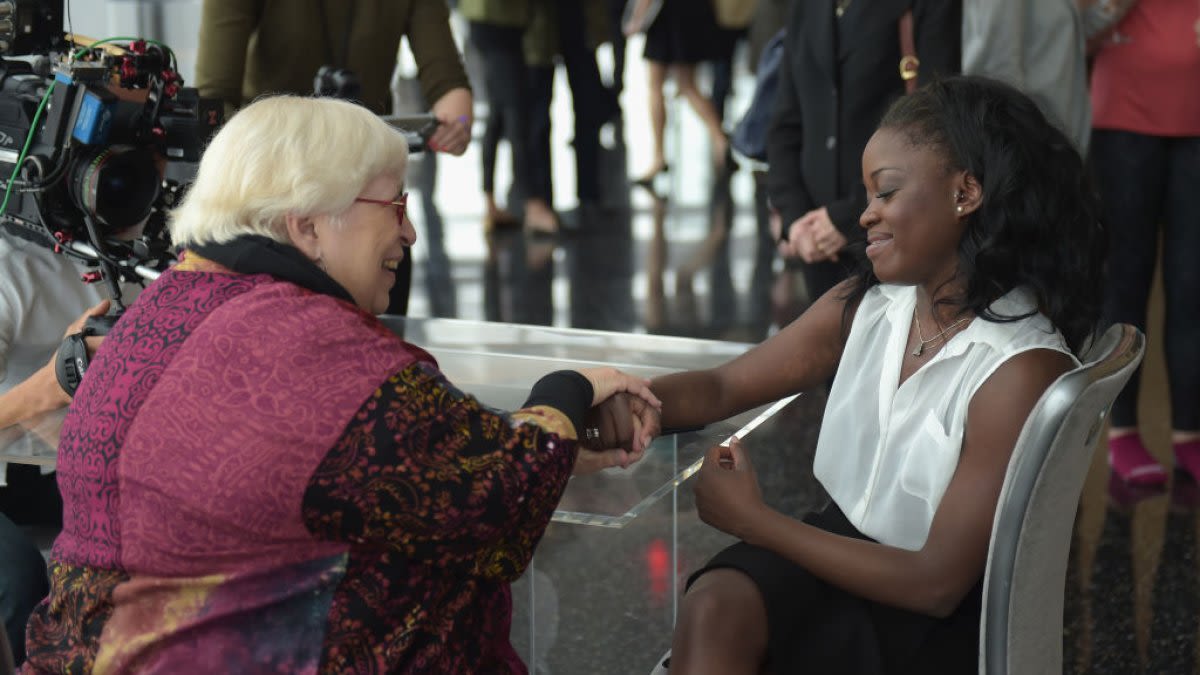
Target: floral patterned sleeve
[(430, 472)]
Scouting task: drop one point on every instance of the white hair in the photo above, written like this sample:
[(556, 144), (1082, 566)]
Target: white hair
[(285, 155)]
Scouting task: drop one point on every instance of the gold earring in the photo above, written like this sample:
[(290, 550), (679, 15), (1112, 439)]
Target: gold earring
[(959, 208)]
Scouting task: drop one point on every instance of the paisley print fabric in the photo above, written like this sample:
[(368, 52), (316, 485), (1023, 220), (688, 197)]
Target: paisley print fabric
[(64, 631), (443, 501)]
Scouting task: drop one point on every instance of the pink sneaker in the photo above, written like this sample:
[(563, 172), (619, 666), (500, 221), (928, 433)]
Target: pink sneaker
[(1187, 457), (1134, 464)]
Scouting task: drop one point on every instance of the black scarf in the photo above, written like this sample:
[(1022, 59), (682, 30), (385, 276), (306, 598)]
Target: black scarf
[(256, 254)]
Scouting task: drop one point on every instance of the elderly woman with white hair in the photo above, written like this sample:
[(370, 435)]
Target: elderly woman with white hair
[(258, 476)]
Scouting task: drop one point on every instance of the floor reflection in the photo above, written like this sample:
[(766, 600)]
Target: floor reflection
[(1135, 619)]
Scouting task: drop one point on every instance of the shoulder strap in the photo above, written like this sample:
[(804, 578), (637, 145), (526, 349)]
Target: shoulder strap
[(909, 63)]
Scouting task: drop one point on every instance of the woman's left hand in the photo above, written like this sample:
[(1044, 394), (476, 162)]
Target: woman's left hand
[(727, 493), (454, 115)]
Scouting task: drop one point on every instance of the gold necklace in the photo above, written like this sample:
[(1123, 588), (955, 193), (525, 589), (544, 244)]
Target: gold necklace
[(841, 6), (920, 348)]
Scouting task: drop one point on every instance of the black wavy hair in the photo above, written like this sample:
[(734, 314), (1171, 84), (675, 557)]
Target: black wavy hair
[(1039, 225)]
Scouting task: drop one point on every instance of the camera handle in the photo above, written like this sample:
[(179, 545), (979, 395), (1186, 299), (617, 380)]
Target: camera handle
[(72, 359)]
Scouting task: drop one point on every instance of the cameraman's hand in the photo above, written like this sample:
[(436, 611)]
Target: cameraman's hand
[(97, 310), (454, 115), (41, 392)]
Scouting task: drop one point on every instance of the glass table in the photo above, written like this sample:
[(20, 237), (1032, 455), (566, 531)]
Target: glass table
[(498, 363)]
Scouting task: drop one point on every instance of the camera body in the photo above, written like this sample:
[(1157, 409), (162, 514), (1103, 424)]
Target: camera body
[(336, 82), (85, 136), (343, 83)]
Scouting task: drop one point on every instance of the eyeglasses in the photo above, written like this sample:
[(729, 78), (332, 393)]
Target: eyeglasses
[(401, 205)]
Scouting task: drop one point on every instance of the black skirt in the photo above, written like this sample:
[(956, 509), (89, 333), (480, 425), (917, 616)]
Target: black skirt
[(815, 627), (684, 32)]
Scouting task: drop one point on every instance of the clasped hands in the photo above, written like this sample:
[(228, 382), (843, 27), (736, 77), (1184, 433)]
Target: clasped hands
[(624, 419), (811, 237)]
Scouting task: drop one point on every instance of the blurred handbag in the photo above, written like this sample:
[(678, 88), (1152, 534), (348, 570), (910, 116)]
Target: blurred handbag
[(734, 14), (750, 135)]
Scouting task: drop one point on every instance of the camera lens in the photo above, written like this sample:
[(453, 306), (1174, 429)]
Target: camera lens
[(117, 186)]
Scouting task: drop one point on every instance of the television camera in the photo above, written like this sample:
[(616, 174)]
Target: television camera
[(87, 130)]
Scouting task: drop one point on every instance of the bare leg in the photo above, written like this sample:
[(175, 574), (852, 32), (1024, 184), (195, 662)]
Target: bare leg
[(685, 79), (722, 627), (658, 116)]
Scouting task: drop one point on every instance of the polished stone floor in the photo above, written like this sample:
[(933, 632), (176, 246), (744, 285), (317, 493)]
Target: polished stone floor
[(692, 262)]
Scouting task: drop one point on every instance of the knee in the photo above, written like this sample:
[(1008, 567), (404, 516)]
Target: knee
[(723, 599)]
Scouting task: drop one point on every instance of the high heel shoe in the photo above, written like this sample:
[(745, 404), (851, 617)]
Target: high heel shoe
[(647, 181)]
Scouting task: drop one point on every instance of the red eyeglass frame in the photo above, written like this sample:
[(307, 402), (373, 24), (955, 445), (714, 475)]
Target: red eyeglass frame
[(401, 205)]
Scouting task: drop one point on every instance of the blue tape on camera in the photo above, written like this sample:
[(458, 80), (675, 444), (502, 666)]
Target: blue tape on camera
[(95, 116)]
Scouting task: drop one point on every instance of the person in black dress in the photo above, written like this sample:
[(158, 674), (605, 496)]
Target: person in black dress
[(680, 35)]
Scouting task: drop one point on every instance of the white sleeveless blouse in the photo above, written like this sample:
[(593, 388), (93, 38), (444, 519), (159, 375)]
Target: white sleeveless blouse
[(886, 454)]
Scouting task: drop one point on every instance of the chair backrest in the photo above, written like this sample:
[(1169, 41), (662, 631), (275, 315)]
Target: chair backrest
[(1021, 627)]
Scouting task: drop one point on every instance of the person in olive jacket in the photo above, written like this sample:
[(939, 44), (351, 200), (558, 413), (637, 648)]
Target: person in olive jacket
[(249, 48), (839, 74)]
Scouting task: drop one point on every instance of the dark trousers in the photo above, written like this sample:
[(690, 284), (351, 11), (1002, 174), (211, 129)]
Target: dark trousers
[(1148, 186), (29, 499), (616, 12), (439, 280), (23, 583), (505, 78), (590, 100), (493, 133), (722, 70), (821, 277)]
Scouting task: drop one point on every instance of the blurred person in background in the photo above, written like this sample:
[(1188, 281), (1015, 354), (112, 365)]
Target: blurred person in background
[(568, 33), (497, 31), (681, 35), (733, 19), (1146, 159), (1038, 47), (256, 47)]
